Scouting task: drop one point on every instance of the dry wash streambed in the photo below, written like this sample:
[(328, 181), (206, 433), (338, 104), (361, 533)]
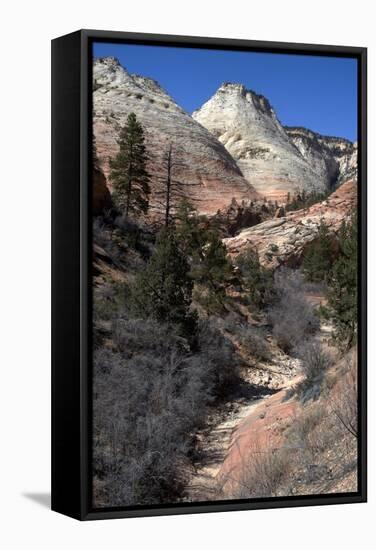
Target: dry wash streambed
[(221, 444), (254, 422)]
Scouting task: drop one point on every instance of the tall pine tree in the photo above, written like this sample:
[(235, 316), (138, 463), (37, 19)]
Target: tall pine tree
[(128, 169)]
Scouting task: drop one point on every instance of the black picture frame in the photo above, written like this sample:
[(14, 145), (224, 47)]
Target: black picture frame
[(71, 273)]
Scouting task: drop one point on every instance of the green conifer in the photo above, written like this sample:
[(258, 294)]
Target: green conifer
[(318, 257), (128, 169), (257, 280), (163, 290), (210, 265), (343, 285)]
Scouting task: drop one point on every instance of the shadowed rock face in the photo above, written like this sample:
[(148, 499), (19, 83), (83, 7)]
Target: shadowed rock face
[(336, 156), (346, 154), (282, 241), (101, 194), (204, 163), (274, 159)]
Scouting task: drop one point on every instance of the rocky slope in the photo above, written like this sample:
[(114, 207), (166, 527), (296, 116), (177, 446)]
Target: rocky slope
[(269, 441), (281, 241), (211, 176), (274, 159)]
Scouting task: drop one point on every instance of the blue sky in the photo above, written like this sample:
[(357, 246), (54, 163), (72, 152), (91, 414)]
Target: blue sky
[(319, 93)]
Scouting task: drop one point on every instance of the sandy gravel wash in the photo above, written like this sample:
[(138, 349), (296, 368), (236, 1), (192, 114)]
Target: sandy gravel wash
[(221, 447)]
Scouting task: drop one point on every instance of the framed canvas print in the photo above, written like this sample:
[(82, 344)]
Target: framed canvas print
[(209, 275)]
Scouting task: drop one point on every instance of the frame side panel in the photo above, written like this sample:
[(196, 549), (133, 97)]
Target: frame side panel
[(362, 299), (66, 472)]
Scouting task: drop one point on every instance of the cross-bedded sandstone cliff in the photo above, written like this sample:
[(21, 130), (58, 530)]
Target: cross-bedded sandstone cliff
[(210, 175), (232, 147), (247, 125), (275, 160)]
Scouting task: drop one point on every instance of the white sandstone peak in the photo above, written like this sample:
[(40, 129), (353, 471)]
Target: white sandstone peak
[(211, 175), (275, 160)]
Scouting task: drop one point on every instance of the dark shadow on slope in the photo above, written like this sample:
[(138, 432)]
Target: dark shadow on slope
[(246, 390)]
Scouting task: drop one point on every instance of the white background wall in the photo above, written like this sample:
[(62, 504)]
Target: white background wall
[(26, 30)]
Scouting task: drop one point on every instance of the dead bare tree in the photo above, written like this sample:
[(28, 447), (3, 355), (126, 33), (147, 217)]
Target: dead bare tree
[(173, 189)]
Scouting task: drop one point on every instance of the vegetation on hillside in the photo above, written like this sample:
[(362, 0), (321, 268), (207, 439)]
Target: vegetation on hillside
[(319, 453), (319, 255), (303, 199), (335, 262), (163, 290), (343, 287), (176, 324), (210, 267), (257, 281)]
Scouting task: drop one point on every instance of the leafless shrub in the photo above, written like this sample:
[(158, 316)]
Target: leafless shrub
[(292, 317), (126, 225), (253, 341), (231, 323), (150, 395), (315, 362), (252, 338), (103, 237), (104, 302), (134, 234), (345, 400), (218, 358), (319, 447), (306, 445), (305, 435), (263, 473), (137, 336), (142, 416)]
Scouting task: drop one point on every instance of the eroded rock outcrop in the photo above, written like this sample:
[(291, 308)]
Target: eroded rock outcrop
[(211, 175), (282, 241)]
